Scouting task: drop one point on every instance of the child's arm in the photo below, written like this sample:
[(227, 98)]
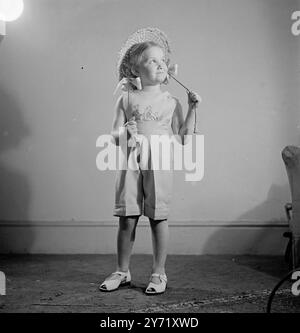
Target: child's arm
[(184, 127), (119, 120), (177, 120)]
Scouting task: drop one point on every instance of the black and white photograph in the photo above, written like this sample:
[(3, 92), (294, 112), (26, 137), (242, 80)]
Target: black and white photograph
[(149, 159)]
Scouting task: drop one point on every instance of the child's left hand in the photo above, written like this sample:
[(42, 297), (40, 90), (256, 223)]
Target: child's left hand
[(194, 99)]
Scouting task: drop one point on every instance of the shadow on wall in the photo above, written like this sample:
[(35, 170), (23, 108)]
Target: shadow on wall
[(14, 187), (259, 240)]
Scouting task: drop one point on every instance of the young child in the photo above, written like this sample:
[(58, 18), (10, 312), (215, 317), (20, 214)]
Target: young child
[(145, 110)]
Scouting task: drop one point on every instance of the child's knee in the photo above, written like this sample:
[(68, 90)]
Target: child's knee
[(128, 223)]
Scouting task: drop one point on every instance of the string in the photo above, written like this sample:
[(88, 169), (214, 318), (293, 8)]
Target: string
[(132, 138), (195, 125), (128, 104), (127, 99)]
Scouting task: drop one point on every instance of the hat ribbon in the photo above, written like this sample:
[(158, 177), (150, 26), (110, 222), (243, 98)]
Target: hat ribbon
[(124, 84), (173, 71)]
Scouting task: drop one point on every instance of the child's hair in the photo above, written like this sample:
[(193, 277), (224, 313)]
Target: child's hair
[(133, 57)]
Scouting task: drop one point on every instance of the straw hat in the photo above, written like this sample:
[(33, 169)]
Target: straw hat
[(140, 36)]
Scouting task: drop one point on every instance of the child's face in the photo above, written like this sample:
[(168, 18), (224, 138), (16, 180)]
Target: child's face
[(153, 68)]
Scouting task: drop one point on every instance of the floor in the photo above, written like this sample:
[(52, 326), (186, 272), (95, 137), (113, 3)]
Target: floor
[(196, 284)]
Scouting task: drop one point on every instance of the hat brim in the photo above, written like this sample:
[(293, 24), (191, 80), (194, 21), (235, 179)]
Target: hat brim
[(140, 36)]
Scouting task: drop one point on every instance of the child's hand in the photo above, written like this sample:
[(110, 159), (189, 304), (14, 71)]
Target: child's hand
[(131, 127), (194, 99)]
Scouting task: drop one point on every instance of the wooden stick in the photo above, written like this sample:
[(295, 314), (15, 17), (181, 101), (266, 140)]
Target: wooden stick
[(188, 90)]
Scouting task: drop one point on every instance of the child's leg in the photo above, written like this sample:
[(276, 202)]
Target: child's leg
[(160, 236), (126, 237)]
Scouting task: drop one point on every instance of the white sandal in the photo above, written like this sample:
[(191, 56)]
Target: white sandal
[(123, 279), (153, 288)]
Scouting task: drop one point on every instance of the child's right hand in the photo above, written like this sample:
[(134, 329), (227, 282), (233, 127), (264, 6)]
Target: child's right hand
[(131, 127)]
